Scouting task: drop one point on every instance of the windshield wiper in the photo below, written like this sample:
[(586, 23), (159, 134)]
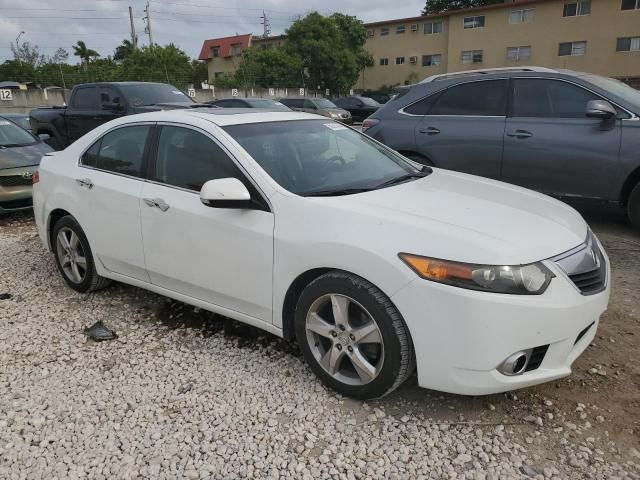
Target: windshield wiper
[(402, 178), (335, 192), (10, 145)]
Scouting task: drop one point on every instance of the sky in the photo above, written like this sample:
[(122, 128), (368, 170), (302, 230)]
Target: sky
[(103, 24)]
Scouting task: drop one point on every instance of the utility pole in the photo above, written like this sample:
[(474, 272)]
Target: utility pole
[(18, 47), (134, 37), (147, 28), (265, 24)]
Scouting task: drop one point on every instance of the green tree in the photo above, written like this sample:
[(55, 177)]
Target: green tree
[(155, 63), (86, 54), (27, 53), (123, 50), (199, 72), (438, 6), (17, 71)]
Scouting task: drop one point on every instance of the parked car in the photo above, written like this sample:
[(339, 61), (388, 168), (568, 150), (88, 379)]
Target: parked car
[(93, 104), (378, 96), (20, 119), (311, 230), (319, 106), (568, 134), (20, 154), (359, 107), (265, 103)]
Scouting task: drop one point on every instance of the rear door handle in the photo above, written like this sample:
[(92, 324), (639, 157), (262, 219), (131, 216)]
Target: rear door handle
[(520, 134), (430, 130), (85, 182), (157, 202)]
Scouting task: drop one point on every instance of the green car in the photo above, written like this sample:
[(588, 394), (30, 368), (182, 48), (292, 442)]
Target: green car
[(20, 154)]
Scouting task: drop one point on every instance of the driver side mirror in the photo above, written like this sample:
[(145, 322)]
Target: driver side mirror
[(225, 193), (600, 109)]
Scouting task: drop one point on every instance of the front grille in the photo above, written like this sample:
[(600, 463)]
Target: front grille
[(536, 357), (16, 204), (585, 266), (15, 181), (583, 332)]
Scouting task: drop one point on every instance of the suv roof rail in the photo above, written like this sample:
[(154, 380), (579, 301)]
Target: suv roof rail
[(485, 71)]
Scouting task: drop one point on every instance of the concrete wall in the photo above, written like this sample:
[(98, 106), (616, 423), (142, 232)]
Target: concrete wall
[(25, 100), (276, 93)]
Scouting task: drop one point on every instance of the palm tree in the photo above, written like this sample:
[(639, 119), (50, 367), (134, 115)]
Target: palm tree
[(123, 50), (86, 54)]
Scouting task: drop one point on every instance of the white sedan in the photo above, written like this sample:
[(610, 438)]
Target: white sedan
[(310, 230)]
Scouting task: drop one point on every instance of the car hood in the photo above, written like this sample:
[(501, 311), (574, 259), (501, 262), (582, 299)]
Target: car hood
[(16, 157), (465, 218)]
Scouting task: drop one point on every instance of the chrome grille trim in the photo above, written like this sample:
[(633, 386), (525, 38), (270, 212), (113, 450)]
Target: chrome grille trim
[(585, 266)]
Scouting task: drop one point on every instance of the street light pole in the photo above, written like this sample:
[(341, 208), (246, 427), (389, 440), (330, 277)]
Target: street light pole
[(18, 47)]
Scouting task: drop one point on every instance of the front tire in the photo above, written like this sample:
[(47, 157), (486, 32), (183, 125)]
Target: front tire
[(633, 207), (74, 258), (352, 336)]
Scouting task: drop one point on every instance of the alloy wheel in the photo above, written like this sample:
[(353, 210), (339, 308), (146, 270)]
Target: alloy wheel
[(71, 255)]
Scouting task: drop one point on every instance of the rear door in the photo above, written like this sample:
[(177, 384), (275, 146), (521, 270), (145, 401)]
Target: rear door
[(462, 128), (84, 113), (550, 145)]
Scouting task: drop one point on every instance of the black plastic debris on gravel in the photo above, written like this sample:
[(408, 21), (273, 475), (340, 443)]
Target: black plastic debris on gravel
[(5, 296), (99, 332)]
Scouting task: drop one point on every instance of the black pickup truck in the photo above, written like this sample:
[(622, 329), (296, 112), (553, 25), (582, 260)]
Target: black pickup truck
[(93, 104)]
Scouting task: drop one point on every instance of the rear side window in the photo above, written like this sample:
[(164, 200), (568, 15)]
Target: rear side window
[(188, 159), (119, 151), (535, 97), (483, 98), (422, 107), (85, 99)]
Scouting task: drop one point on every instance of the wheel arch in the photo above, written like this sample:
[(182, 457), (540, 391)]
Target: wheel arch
[(627, 187), (54, 216)]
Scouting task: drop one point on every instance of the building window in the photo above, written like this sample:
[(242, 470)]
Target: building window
[(574, 9), (433, 27), (474, 22), (515, 54), (236, 50), (266, 46), (217, 74), (471, 56), (384, 62), (521, 16), (572, 48), (431, 60), (399, 29), (628, 44), (384, 31), (215, 52), (630, 5), (369, 33), (399, 60)]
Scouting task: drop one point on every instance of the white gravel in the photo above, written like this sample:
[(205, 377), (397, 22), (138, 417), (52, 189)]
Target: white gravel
[(164, 402)]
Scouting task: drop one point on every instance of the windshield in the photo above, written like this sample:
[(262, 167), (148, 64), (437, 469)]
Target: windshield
[(370, 102), (11, 135), (20, 120), (616, 87), (270, 104), (324, 103), (152, 94), (313, 156)]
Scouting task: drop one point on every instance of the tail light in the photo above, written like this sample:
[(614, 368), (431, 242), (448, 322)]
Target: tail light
[(368, 123), (36, 177)]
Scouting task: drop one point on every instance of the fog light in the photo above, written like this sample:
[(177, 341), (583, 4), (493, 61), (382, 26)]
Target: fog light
[(515, 363)]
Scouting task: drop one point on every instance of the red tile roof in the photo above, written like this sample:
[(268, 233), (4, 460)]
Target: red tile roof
[(224, 44)]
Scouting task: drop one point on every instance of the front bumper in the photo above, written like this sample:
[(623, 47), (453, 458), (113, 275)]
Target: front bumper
[(16, 189), (462, 336)]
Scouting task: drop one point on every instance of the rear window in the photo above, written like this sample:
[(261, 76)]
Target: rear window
[(85, 98), (482, 98)]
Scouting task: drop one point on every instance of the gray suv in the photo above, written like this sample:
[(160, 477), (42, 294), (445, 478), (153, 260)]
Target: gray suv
[(568, 134)]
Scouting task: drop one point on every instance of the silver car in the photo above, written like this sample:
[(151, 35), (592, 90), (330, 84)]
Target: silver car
[(319, 106), (20, 154)]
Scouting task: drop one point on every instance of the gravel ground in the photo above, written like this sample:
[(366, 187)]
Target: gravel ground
[(183, 393)]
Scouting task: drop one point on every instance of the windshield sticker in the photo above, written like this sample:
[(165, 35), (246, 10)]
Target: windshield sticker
[(335, 126)]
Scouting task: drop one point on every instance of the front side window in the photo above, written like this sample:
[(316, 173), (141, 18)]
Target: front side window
[(484, 98), (574, 9), (86, 99), (384, 62), (630, 5), (399, 60), (471, 56), (384, 31), (572, 48), (119, 151), (474, 22), (318, 157), (515, 54), (400, 29), (628, 44), (536, 97), (431, 60), (521, 16), (108, 96), (188, 159), (433, 27)]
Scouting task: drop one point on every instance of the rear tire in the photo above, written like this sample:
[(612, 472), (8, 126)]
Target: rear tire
[(352, 336), (633, 207), (74, 258)]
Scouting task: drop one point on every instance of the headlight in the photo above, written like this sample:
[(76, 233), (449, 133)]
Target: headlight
[(334, 115), (532, 279)]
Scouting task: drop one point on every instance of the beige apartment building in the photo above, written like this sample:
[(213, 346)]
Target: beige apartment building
[(598, 36)]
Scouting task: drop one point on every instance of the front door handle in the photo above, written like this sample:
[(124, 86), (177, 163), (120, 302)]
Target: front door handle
[(520, 134), (157, 202), (85, 182), (430, 130)]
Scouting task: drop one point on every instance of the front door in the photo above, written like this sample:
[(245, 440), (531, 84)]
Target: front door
[(550, 145), (217, 255), (462, 128)]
